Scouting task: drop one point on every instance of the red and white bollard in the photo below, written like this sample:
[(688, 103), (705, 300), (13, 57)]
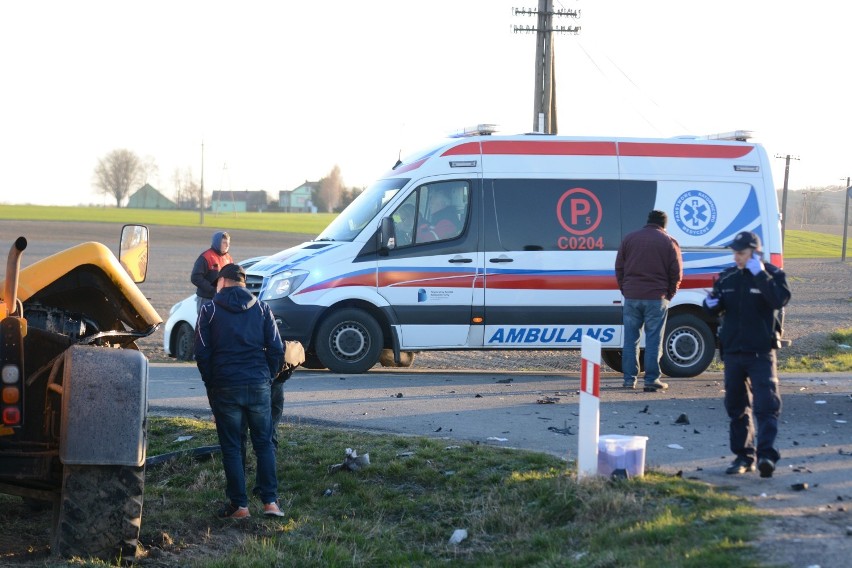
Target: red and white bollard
[(590, 402)]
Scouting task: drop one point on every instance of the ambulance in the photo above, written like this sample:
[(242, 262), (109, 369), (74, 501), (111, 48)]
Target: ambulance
[(491, 242)]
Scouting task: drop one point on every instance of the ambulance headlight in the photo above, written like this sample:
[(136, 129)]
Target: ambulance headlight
[(281, 285)]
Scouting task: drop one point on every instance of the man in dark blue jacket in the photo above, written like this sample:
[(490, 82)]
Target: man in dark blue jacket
[(749, 297), (238, 351)]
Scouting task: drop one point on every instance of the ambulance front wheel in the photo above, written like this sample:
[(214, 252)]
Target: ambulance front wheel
[(406, 358), (349, 341), (688, 346)]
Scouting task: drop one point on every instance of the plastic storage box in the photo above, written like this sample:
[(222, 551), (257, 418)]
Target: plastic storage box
[(624, 455)]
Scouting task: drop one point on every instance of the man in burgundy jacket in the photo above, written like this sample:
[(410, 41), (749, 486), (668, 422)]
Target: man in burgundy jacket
[(649, 269)]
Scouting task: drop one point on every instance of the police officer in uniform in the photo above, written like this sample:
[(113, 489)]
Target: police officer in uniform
[(749, 297)]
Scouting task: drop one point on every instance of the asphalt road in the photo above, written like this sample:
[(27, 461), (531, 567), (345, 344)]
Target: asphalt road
[(539, 411)]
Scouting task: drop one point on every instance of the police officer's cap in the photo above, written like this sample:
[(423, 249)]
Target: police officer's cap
[(744, 240)]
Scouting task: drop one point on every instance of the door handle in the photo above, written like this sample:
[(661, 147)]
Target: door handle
[(461, 260), (501, 259)]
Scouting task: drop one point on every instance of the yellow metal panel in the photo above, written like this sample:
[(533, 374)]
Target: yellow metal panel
[(41, 274)]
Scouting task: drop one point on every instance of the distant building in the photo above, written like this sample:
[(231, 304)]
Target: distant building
[(238, 201), (149, 198), (299, 199)]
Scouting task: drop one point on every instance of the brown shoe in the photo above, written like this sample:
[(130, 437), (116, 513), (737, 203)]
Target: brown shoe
[(656, 386), (231, 511), (272, 510)]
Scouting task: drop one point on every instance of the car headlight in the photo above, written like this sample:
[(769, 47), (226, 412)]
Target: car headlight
[(282, 284)]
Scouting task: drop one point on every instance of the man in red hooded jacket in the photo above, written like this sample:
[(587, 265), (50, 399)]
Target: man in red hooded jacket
[(205, 271)]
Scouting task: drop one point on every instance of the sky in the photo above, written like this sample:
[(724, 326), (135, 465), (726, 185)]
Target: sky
[(279, 92)]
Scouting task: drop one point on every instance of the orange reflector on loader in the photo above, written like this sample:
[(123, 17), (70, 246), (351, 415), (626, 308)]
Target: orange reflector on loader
[(11, 395)]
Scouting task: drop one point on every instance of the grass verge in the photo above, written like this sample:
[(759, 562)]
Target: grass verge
[(835, 356), (519, 509)]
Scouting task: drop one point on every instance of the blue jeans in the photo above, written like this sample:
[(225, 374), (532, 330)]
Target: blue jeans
[(233, 407), (277, 413), (650, 314), (751, 395)]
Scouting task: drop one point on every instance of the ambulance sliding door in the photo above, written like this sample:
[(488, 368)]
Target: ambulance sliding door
[(550, 247)]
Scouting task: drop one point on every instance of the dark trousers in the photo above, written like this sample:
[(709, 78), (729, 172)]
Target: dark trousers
[(751, 395)]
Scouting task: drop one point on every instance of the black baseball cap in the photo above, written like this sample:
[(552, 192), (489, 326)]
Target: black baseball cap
[(744, 240), (233, 272)]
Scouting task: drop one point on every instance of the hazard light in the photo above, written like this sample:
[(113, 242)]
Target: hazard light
[(739, 135), (478, 130)]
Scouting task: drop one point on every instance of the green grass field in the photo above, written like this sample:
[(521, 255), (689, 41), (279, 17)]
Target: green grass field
[(279, 222), (800, 244)]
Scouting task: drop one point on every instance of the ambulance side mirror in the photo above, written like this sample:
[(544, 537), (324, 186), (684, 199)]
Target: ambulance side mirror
[(387, 235)]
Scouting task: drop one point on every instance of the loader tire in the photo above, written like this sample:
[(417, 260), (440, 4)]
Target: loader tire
[(100, 512)]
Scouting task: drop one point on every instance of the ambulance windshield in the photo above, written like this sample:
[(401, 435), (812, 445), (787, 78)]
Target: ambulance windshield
[(358, 214)]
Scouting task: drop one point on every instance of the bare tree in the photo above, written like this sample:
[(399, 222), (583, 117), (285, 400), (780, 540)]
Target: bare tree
[(815, 206), (187, 190), (150, 170), (119, 172), (331, 189), (348, 195)]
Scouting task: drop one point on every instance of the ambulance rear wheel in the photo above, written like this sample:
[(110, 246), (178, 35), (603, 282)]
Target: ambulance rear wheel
[(612, 357), (349, 341), (688, 346)]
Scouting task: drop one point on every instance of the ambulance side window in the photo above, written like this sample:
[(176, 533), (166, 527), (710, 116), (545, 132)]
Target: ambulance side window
[(443, 209), (557, 215), (404, 221)]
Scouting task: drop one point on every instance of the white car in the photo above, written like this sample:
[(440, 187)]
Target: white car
[(179, 334)]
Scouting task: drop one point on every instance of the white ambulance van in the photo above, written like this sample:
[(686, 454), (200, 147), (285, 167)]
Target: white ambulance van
[(509, 242)]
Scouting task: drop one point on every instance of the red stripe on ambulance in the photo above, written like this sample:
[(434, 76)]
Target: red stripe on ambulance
[(663, 150)]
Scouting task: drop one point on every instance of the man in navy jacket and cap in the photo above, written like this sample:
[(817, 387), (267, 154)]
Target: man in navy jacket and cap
[(749, 297), (239, 351)]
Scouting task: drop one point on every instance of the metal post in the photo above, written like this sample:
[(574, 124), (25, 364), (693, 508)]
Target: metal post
[(788, 157), (784, 200), (846, 219), (540, 58)]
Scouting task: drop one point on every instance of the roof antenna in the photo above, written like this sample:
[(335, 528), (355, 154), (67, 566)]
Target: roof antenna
[(398, 161)]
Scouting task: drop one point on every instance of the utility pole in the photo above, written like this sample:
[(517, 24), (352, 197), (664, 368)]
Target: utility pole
[(544, 97), (201, 197), (788, 157), (846, 219)]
